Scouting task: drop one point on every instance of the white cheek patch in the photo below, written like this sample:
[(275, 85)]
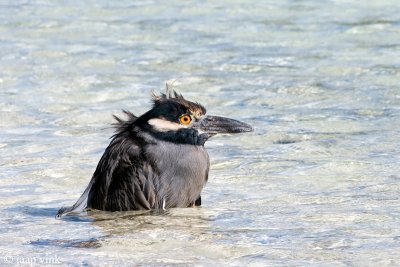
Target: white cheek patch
[(164, 126)]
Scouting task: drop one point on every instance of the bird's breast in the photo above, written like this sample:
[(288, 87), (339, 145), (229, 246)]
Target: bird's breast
[(183, 171)]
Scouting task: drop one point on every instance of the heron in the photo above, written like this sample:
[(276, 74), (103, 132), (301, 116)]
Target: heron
[(155, 161)]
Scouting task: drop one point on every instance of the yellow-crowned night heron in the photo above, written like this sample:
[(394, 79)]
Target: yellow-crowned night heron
[(157, 160)]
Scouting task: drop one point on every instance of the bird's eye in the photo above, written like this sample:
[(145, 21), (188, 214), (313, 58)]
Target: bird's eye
[(185, 119)]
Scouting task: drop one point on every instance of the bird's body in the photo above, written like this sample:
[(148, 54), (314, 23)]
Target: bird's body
[(155, 161)]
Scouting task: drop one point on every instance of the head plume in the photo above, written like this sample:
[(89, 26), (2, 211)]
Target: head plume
[(169, 94), (174, 96)]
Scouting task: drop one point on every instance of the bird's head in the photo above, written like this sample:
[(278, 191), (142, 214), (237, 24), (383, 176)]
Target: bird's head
[(172, 113)]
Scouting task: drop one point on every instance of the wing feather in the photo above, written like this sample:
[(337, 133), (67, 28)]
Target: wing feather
[(123, 181)]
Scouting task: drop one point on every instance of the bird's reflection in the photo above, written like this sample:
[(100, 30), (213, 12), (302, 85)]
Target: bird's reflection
[(128, 222), (148, 224)]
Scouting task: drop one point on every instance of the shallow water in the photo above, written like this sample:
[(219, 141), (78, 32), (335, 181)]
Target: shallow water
[(317, 183)]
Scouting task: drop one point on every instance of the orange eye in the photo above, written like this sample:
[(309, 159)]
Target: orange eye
[(185, 119)]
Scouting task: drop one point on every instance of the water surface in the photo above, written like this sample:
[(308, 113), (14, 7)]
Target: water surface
[(317, 183)]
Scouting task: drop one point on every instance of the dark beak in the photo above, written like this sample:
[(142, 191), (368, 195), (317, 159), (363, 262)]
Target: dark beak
[(215, 125)]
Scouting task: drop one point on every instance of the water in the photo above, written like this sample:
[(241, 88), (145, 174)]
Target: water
[(317, 183)]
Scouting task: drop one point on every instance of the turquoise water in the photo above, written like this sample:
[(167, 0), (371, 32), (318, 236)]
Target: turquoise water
[(316, 184)]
